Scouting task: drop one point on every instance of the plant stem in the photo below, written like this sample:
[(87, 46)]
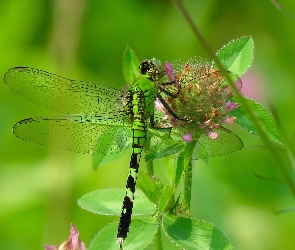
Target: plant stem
[(187, 185), (158, 240), (150, 168), (261, 132), (149, 164), (187, 190)]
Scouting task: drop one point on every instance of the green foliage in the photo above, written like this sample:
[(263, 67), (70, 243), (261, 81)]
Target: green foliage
[(144, 232), (130, 66), (265, 118), (99, 160), (237, 55), (108, 202), (189, 233), (160, 151), (151, 187)]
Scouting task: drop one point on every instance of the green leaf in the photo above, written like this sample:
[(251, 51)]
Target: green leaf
[(99, 160), (109, 202), (227, 143), (265, 118), (166, 197), (184, 158), (179, 168), (188, 176), (237, 55), (130, 66), (194, 234), (170, 169), (121, 139), (152, 188), (161, 145), (163, 150), (142, 233)]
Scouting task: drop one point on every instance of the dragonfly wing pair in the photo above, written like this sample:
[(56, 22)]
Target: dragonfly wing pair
[(82, 134), (62, 94), (98, 127)]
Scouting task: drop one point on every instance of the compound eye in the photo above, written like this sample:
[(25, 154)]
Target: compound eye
[(152, 68), (145, 67)]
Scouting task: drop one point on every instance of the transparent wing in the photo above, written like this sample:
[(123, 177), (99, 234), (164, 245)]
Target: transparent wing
[(167, 142), (226, 143), (162, 144), (159, 121), (62, 94), (82, 134)]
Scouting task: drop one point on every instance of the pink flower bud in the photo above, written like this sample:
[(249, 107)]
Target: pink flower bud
[(187, 137), (169, 72), (231, 106), (213, 135), (229, 120)]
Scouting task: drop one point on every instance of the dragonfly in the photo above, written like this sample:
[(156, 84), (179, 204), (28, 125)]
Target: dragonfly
[(103, 120)]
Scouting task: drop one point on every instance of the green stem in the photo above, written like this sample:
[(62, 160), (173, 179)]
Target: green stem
[(243, 102), (187, 174), (150, 168), (158, 240), (187, 192), (149, 164)]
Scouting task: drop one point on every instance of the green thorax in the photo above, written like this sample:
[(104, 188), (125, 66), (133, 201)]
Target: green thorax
[(140, 100)]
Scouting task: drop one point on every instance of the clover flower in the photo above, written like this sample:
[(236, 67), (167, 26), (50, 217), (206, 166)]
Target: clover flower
[(203, 99), (72, 243)]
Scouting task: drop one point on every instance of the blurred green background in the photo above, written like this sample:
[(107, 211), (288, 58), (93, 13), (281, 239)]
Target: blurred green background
[(84, 40)]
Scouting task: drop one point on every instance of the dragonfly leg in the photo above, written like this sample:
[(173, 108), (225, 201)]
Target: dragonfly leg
[(169, 93), (169, 109)]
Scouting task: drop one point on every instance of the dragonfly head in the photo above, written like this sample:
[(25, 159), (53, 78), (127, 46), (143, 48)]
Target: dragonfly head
[(153, 68)]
